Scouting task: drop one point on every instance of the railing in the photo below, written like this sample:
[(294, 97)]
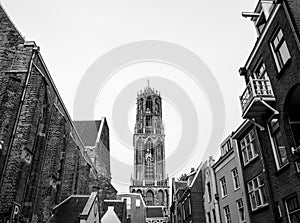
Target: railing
[(137, 183), (162, 183), (256, 88)]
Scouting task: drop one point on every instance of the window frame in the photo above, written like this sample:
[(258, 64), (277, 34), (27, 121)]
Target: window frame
[(245, 149), (223, 187), (253, 191), (235, 179), (239, 208), (287, 207), (272, 132), (227, 214), (277, 47)]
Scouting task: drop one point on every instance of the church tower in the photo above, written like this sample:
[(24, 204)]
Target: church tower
[(149, 178)]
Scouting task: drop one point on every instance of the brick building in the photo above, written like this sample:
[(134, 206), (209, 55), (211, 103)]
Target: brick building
[(42, 158), (271, 101), (136, 207), (95, 137), (230, 185), (188, 197)]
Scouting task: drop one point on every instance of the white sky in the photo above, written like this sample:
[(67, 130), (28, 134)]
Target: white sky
[(73, 34)]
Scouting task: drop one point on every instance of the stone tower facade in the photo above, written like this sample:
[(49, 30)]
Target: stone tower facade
[(149, 178)]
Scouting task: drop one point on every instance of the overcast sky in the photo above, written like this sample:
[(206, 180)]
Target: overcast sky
[(74, 34)]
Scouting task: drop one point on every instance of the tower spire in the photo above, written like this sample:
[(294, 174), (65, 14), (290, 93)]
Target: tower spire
[(148, 83)]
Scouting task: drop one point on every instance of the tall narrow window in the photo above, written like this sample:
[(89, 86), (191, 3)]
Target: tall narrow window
[(235, 178), (241, 210), (223, 187), (277, 143), (149, 198), (208, 217), (256, 192), (208, 192), (214, 215), (293, 209), (227, 214), (280, 50), (248, 147)]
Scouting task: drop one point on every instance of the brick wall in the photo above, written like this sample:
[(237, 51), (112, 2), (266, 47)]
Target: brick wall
[(42, 160)]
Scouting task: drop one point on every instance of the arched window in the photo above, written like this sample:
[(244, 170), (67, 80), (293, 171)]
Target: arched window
[(149, 198), (149, 159), (139, 151), (139, 191), (160, 196), (149, 104)]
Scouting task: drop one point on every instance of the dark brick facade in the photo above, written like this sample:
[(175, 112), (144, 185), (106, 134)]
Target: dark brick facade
[(283, 180), (42, 158)]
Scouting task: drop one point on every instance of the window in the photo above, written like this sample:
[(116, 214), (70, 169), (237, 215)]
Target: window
[(280, 50), (208, 217), (293, 209), (214, 215), (260, 72), (148, 120), (149, 198), (226, 147), (227, 214), (128, 202), (277, 143), (248, 148), (241, 210), (208, 192), (223, 187), (256, 192), (235, 178), (137, 202)]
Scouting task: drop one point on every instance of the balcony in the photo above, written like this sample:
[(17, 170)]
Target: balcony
[(255, 98)]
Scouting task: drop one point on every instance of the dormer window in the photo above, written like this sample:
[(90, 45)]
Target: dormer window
[(260, 22), (261, 14), (226, 147)]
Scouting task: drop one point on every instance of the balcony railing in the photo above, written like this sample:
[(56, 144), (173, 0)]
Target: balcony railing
[(256, 88)]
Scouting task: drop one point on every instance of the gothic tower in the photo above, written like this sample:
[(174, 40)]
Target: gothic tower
[(149, 176)]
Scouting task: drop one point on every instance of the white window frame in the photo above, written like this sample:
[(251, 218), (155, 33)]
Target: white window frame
[(277, 47), (227, 215), (241, 208), (223, 185), (248, 147), (276, 148), (256, 190), (138, 203), (235, 179), (287, 209)]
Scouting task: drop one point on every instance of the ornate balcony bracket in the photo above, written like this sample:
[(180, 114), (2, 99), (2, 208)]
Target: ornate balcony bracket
[(269, 106), (261, 128)]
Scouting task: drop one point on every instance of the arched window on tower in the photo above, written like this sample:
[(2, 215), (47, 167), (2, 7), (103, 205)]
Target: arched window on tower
[(149, 198), (149, 104), (149, 159), (160, 196)]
